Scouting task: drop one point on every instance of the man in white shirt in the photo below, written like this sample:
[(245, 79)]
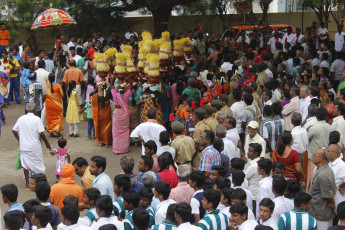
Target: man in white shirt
[(338, 166), (237, 108), (282, 204), (71, 41), (311, 118), (272, 42), (338, 123), (164, 139), (239, 218), (104, 207), (29, 131), (293, 106), (229, 147), (266, 208), (226, 65), (298, 35), (322, 32), (299, 135), (131, 33), (289, 37), (252, 174), (266, 97), (162, 192), (337, 67), (268, 73), (304, 101), (254, 137), (182, 215), (232, 133), (41, 73), (148, 130), (339, 39), (70, 216)]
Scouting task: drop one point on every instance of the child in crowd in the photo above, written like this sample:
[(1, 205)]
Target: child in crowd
[(293, 187), (238, 195), (210, 203), (41, 216), (122, 184), (72, 115), (219, 185), (90, 124), (266, 208), (130, 202), (302, 204), (170, 221), (225, 200), (162, 192), (151, 150), (14, 220), (90, 197), (63, 157), (146, 196), (239, 217), (196, 181), (217, 171), (237, 163)]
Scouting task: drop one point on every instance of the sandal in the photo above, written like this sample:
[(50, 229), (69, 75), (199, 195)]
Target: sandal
[(71, 135), (76, 135)]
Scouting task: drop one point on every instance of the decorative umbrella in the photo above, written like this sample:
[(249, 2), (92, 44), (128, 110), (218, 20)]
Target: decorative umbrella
[(53, 18)]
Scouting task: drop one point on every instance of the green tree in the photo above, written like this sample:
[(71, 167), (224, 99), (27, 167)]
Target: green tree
[(323, 8)]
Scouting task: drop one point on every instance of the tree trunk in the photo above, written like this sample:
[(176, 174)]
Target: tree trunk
[(264, 13), (32, 41), (160, 20)]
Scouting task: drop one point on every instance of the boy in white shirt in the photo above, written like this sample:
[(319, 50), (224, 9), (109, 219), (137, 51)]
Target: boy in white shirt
[(182, 215), (14, 219), (162, 192), (41, 217), (239, 196), (266, 208), (282, 204), (239, 218)]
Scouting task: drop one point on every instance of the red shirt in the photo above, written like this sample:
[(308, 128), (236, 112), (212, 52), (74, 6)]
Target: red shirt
[(169, 176)]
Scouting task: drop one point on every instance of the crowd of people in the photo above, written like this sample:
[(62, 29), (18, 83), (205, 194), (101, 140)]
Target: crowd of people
[(243, 134)]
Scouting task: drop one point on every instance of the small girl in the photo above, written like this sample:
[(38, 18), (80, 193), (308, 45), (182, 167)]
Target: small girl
[(73, 116), (63, 157)]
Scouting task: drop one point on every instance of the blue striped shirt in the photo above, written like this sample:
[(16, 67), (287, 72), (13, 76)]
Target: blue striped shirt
[(164, 226), (297, 220), (214, 220)]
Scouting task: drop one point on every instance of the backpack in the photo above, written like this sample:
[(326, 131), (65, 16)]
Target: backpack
[(257, 115)]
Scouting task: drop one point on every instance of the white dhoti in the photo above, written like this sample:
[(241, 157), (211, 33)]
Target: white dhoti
[(32, 161)]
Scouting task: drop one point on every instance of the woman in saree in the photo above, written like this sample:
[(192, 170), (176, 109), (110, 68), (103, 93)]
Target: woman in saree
[(284, 153), (54, 107), (101, 112), (121, 94)]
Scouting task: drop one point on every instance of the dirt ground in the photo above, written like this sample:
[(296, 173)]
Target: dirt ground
[(79, 146)]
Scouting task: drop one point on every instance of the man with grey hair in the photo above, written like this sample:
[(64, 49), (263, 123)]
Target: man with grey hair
[(149, 181), (182, 192), (229, 147), (29, 131), (221, 117), (338, 166), (311, 118), (299, 137), (304, 101)]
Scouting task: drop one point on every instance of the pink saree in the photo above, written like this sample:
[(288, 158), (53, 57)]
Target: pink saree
[(120, 123)]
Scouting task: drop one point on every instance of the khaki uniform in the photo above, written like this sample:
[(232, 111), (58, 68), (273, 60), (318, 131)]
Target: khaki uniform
[(225, 109), (212, 122), (261, 80), (257, 100), (199, 128), (185, 149)]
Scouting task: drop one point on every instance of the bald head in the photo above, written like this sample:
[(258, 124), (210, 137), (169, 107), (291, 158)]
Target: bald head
[(333, 152), (319, 156)]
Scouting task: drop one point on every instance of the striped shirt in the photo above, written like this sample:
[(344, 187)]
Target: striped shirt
[(210, 156), (164, 226), (36, 91), (128, 221), (91, 215), (118, 208), (214, 221), (152, 213), (267, 131), (297, 220)]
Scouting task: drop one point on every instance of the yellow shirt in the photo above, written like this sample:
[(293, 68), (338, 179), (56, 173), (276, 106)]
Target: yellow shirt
[(87, 179), (184, 147), (16, 63), (212, 123)]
